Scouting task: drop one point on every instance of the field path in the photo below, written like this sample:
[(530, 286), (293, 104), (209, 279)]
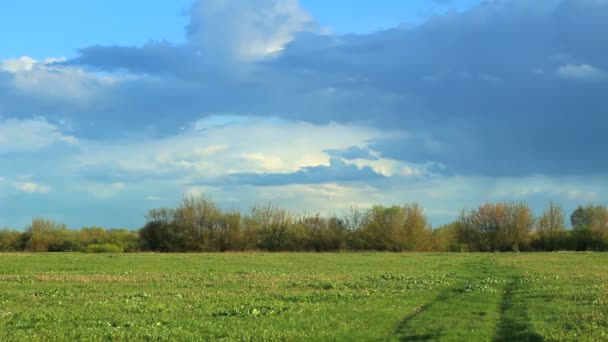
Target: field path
[(481, 303), (514, 321)]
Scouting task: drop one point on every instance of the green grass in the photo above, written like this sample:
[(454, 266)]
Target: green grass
[(358, 296)]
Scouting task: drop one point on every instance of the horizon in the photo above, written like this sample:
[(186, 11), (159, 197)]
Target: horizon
[(110, 109)]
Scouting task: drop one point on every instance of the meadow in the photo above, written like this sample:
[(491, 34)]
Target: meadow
[(304, 296)]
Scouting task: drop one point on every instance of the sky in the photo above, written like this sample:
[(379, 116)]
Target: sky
[(111, 108)]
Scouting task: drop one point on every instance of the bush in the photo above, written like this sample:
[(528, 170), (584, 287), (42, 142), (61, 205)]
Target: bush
[(104, 248), (10, 241)]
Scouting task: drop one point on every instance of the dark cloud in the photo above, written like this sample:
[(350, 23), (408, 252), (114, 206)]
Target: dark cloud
[(353, 152), (483, 83), (478, 89), (151, 58)]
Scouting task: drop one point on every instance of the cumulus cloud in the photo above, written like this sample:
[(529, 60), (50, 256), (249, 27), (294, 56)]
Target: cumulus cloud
[(18, 64), (242, 30), (223, 37), (470, 87), (468, 102), (216, 146)]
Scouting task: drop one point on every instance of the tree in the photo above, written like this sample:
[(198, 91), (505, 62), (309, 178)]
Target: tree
[(199, 219), (159, 233), (229, 235), (47, 236), (10, 240), (272, 224), (381, 229), (497, 227), (551, 227), (313, 228), (355, 220), (317, 233), (488, 221), (396, 228), (516, 231), (416, 227), (445, 238), (590, 224), (467, 233)]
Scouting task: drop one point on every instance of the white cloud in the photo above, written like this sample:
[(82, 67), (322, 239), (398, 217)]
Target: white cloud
[(103, 190), (49, 80), (391, 167), (18, 64), (565, 187), (253, 145), (580, 72), (246, 30), (32, 188), (587, 196), (31, 134)]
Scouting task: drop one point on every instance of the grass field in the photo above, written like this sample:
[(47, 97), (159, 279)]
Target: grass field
[(363, 296)]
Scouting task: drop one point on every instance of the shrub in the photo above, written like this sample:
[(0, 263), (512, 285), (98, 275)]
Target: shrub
[(104, 248)]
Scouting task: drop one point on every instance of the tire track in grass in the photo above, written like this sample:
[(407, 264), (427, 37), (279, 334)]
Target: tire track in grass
[(514, 322), (402, 327), (467, 311)]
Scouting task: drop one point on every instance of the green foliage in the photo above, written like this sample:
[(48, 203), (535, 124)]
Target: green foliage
[(10, 241), (396, 228), (104, 248), (47, 236), (445, 238), (590, 225)]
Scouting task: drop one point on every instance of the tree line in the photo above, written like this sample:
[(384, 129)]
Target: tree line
[(198, 224)]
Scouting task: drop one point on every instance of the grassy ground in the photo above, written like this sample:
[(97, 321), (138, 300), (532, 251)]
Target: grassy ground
[(366, 296)]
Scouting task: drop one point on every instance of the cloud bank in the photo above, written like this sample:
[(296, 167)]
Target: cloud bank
[(502, 101)]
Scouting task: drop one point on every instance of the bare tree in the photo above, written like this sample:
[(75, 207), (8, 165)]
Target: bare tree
[(551, 226), (272, 224)]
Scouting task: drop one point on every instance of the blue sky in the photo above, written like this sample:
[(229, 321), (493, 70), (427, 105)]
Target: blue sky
[(58, 28), (110, 108)]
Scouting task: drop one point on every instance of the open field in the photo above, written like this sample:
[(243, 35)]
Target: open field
[(361, 296)]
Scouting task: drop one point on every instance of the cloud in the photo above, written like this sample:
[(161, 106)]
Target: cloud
[(18, 65), (507, 95), (218, 145), (44, 79), (32, 188), (336, 172), (102, 190), (242, 30), (580, 72), (354, 152), (222, 38), (31, 134), (463, 80)]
